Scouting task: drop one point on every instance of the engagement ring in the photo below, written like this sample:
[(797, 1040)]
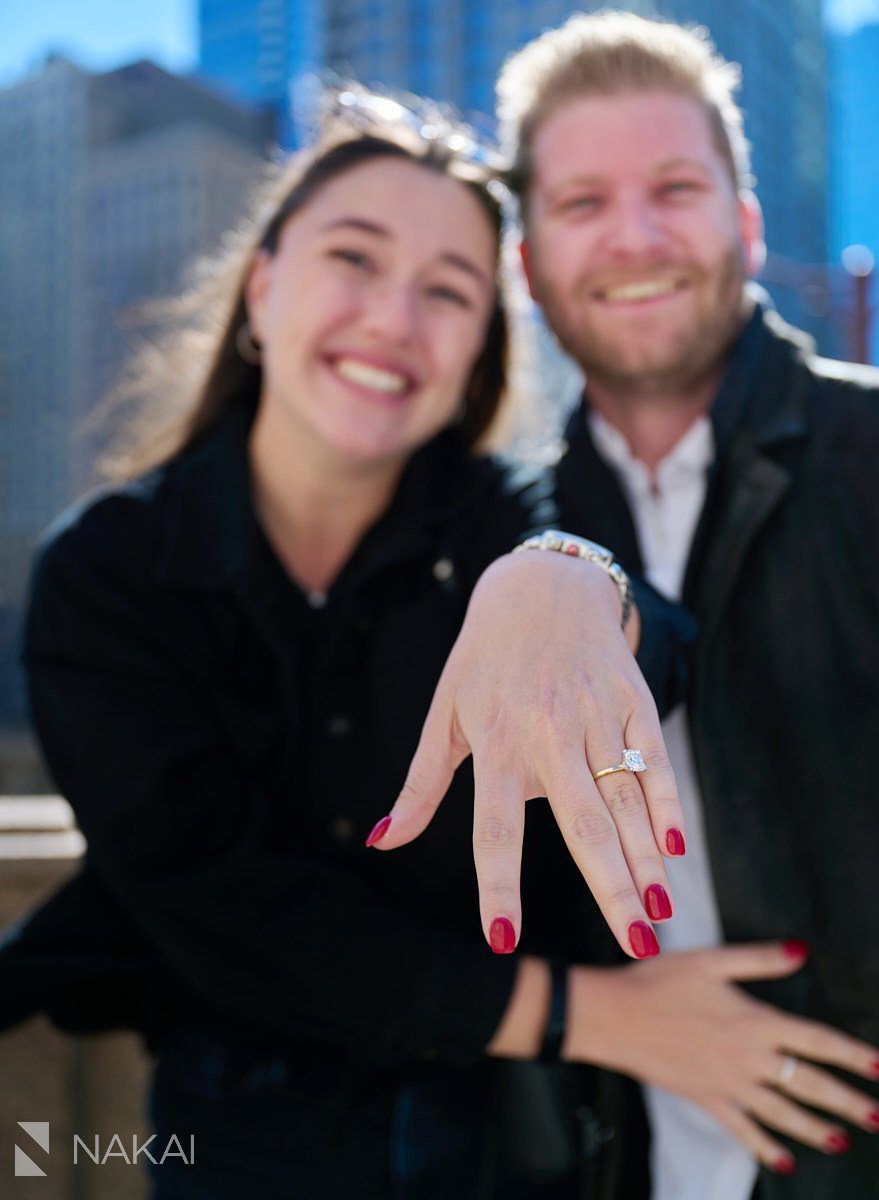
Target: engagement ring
[(632, 761)]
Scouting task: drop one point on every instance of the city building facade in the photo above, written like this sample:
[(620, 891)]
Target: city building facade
[(452, 51), (111, 185), (256, 50)]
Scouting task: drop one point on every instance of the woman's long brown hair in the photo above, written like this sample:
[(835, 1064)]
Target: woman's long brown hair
[(176, 388)]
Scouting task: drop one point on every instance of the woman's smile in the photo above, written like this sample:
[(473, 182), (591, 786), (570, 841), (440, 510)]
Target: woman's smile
[(375, 378), (370, 316)]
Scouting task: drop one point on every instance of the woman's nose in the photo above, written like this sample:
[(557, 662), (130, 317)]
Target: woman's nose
[(391, 313)]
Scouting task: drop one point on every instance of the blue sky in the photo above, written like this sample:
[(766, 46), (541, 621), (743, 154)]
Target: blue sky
[(98, 34), (101, 34), (849, 14)]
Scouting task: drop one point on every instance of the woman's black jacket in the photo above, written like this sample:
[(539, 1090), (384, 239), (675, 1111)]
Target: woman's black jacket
[(226, 746)]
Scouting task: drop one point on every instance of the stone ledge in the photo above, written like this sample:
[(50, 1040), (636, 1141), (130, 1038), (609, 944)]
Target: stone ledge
[(35, 812), (81, 1085), (38, 828)]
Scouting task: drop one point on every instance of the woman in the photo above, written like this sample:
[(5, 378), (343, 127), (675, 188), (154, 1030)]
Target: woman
[(230, 659)]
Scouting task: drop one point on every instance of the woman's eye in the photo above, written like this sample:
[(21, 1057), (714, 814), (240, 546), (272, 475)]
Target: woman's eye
[(356, 258), (452, 295)]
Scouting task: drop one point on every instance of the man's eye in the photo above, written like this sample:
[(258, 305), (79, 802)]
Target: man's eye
[(580, 203), (679, 187)]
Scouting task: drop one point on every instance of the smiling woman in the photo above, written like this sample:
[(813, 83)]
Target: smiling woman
[(232, 657), (340, 262), (369, 318)]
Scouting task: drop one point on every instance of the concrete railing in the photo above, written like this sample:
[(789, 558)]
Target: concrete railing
[(38, 828), (86, 1085)]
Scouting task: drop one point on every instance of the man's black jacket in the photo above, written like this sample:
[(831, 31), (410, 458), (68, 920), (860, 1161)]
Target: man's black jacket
[(784, 694)]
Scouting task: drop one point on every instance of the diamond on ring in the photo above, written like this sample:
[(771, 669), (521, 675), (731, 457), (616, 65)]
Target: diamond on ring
[(633, 760)]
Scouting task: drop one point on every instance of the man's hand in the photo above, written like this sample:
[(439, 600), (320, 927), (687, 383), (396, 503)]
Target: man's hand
[(682, 1024), (543, 690)]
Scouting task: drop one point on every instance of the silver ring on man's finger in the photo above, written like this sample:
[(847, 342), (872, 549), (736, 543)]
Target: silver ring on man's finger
[(633, 760), (786, 1070)]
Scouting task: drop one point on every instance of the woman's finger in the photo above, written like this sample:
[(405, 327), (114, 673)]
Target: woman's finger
[(782, 1114), (626, 803), (757, 960), (498, 830), (823, 1091), (772, 1154), (643, 732), (821, 1043), (593, 840), (441, 750)]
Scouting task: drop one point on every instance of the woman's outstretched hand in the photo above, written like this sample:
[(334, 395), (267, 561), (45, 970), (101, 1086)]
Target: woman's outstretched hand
[(543, 690), (682, 1024)]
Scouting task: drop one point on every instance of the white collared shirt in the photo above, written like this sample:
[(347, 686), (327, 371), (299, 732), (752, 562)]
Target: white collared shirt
[(691, 1157)]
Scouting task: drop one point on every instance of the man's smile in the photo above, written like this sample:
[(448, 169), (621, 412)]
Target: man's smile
[(640, 291)]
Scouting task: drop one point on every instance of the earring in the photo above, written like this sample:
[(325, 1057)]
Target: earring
[(247, 346)]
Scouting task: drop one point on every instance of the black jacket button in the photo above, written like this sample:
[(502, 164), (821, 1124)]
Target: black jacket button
[(342, 829), (443, 569)]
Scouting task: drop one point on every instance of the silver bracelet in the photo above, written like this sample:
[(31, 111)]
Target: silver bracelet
[(577, 547)]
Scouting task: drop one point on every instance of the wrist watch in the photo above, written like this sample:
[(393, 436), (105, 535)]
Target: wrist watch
[(578, 547)]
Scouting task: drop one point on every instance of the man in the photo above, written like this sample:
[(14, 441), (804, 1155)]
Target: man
[(715, 452)]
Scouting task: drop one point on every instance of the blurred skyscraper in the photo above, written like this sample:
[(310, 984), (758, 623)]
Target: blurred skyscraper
[(854, 109), (110, 184), (255, 48), (452, 50)]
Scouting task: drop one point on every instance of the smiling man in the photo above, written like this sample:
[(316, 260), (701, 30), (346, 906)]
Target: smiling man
[(715, 452)]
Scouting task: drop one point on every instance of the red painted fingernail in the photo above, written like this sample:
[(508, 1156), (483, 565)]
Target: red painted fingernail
[(786, 1165), (874, 1068), (873, 1118), (674, 842), (794, 948), (657, 903), (838, 1143), (642, 939), (378, 831), (502, 936)]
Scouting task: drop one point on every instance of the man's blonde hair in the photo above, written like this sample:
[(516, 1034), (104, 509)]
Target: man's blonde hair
[(612, 53)]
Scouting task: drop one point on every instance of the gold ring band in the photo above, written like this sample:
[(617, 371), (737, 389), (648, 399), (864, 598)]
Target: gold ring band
[(610, 771)]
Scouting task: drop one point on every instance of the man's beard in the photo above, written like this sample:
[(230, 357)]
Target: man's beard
[(694, 352)]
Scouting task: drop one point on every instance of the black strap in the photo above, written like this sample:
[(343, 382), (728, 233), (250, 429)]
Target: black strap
[(555, 1026)]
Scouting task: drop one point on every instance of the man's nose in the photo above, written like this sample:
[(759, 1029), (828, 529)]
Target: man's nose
[(391, 312), (635, 230)]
